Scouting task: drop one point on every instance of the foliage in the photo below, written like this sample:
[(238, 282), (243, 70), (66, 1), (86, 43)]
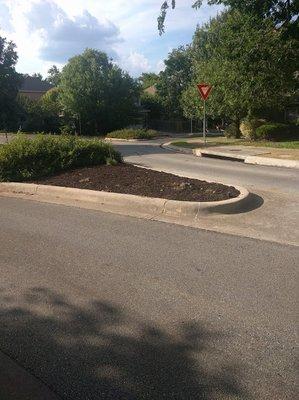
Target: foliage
[(154, 104), (248, 64), (232, 131), (277, 131), (148, 79), (39, 115), (10, 82), (53, 76), (98, 92), (282, 12), (174, 79), (248, 127), (24, 159), (133, 134)]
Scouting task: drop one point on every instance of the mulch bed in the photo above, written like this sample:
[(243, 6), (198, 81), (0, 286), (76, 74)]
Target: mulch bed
[(126, 178)]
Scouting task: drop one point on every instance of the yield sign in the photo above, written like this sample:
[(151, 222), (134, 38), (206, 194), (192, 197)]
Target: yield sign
[(204, 90)]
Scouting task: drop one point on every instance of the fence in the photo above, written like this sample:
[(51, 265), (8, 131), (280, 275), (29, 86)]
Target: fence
[(175, 126)]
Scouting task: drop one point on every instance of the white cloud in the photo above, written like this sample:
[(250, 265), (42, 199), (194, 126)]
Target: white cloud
[(51, 31), (136, 63), (5, 17), (64, 36), (160, 66)]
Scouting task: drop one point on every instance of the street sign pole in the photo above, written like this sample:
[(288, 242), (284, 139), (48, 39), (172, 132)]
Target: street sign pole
[(204, 122), (204, 90)]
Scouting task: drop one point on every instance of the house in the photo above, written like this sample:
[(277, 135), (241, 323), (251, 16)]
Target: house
[(152, 90), (34, 87)]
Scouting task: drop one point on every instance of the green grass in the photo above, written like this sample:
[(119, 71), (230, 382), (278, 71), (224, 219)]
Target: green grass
[(286, 144)]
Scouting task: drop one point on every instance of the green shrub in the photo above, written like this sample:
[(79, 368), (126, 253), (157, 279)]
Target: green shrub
[(24, 159), (277, 131), (248, 127), (232, 131), (133, 134)]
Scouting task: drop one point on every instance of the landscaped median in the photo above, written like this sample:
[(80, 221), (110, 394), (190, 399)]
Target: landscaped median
[(106, 183)]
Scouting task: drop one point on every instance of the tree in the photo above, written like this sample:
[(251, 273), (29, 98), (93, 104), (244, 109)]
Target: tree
[(10, 82), (53, 76), (250, 66), (282, 12), (148, 79), (174, 79), (153, 103), (98, 92)]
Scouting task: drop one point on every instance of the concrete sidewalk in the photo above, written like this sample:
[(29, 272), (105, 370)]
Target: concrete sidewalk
[(253, 155), (18, 384)]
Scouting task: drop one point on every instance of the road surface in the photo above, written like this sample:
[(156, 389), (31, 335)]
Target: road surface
[(274, 215), (101, 306)]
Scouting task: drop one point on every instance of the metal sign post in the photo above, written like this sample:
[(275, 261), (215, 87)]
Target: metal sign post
[(204, 123), (204, 90)]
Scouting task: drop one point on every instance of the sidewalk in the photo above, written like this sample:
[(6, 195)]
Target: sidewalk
[(18, 384), (270, 156), (253, 155)]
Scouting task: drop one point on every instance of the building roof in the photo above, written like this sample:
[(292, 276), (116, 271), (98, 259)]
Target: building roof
[(151, 90), (35, 84)]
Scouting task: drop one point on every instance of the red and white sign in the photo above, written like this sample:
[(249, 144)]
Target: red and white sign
[(204, 90)]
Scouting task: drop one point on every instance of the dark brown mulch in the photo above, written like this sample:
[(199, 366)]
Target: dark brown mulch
[(126, 178)]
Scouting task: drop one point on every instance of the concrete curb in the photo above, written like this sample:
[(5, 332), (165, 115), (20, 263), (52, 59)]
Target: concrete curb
[(125, 204), (272, 162), (257, 160), (133, 140), (169, 146)]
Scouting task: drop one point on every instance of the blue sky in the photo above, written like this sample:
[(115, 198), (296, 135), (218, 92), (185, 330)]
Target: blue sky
[(49, 32)]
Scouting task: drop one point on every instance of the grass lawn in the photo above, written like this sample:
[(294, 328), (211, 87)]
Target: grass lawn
[(222, 141)]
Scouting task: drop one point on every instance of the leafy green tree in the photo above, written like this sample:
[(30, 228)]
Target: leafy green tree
[(53, 76), (154, 104), (10, 82), (249, 65), (98, 92), (174, 79), (284, 12), (42, 115), (148, 79)]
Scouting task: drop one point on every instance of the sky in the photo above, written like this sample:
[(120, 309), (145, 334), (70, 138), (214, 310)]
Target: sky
[(49, 32)]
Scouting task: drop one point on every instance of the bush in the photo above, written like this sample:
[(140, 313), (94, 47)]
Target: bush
[(232, 131), (277, 131), (25, 159), (133, 134), (248, 127)]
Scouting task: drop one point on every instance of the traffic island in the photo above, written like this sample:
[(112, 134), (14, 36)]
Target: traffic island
[(130, 190)]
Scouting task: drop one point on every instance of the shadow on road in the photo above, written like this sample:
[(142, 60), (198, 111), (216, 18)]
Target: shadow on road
[(98, 351), (251, 203)]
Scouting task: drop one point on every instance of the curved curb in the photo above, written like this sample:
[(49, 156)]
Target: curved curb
[(178, 149), (133, 140), (126, 204)]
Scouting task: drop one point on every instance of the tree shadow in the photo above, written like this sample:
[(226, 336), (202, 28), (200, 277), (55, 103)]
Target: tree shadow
[(99, 351)]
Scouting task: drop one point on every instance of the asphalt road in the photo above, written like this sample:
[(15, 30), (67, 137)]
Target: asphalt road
[(150, 154), (100, 306)]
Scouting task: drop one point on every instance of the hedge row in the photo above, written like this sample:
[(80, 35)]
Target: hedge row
[(276, 131), (257, 129), (133, 134), (27, 159)]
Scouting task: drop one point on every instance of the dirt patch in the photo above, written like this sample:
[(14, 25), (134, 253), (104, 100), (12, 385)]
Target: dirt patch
[(129, 179)]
